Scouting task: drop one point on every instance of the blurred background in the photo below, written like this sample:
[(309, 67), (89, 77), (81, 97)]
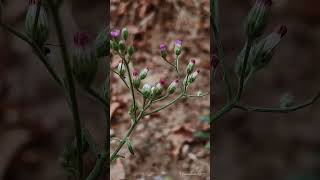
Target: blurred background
[(165, 145), (272, 146), (35, 121)]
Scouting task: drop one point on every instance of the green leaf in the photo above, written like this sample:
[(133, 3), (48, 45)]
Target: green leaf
[(130, 147)]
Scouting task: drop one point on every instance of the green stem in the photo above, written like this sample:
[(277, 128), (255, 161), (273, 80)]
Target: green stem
[(37, 51), (218, 45), (222, 112), (129, 132), (71, 86), (98, 168), (280, 110), (131, 88), (167, 105), (124, 81)]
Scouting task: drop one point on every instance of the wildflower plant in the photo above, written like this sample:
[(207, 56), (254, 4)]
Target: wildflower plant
[(80, 69), (149, 93), (255, 55)]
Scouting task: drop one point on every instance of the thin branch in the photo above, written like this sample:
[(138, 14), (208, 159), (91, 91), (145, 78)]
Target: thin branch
[(310, 102)]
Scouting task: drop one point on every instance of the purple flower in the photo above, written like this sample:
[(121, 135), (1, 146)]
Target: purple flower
[(163, 50), (81, 39), (163, 47), (115, 33), (178, 43), (177, 47)]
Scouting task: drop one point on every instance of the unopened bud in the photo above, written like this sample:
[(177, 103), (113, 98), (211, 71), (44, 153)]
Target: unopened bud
[(39, 32), (85, 64), (130, 51), (258, 17), (190, 66), (163, 51), (146, 90), (173, 86), (193, 76), (136, 79), (177, 47), (122, 46), (159, 87), (143, 74), (124, 34), (263, 52), (121, 69)]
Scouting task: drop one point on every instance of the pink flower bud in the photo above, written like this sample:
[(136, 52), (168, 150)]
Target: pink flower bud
[(190, 66), (172, 87), (163, 51)]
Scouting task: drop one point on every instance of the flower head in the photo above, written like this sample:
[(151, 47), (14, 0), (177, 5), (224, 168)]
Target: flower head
[(177, 47), (173, 86), (163, 51), (146, 90), (121, 69), (190, 66), (193, 76), (158, 87), (143, 74), (115, 34), (136, 79), (178, 43)]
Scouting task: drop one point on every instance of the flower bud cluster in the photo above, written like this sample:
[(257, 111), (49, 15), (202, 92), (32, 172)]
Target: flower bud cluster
[(177, 50), (118, 42)]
